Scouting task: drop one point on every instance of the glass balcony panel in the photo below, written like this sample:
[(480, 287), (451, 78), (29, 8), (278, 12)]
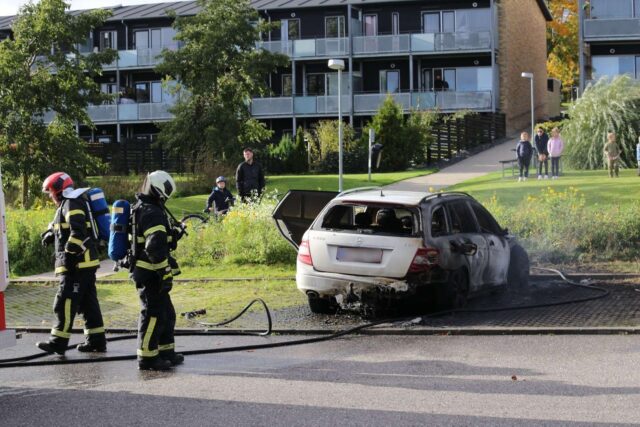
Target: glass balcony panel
[(127, 58), (605, 9), (154, 111), (423, 100), (304, 104), (462, 41), (271, 106), (381, 44), (611, 28), (102, 113), (332, 47), (304, 48), (463, 100), (329, 104), (128, 111), (149, 56), (284, 47), (423, 42), (370, 102)]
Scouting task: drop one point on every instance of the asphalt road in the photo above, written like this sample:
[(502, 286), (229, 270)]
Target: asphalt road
[(362, 380)]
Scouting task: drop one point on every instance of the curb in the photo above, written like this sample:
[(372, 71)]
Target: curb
[(398, 331)]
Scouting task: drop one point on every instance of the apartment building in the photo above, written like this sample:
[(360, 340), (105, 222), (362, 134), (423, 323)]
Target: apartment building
[(447, 54), (609, 39)]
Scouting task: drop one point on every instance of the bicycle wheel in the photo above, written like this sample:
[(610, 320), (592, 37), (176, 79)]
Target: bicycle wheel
[(194, 222)]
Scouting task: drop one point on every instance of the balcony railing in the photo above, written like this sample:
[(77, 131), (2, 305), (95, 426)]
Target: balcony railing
[(125, 112), (621, 29), (369, 103), (308, 48), (421, 43)]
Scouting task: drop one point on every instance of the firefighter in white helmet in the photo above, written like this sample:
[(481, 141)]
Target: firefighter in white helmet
[(154, 237)]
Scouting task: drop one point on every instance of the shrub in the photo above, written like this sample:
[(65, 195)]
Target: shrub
[(608, 105), (549, 125), (290, 154), (390, 132), (324, 148), (247, 234), (558, 227), (26, 254)]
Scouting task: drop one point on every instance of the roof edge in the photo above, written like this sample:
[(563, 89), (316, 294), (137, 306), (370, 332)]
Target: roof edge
[(545, 10)]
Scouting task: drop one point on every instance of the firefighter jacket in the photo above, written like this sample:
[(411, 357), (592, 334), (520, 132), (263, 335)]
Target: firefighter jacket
[(155, 238), (75, 245)]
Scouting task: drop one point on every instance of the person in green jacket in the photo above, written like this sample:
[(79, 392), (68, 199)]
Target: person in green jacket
[(612, 151)]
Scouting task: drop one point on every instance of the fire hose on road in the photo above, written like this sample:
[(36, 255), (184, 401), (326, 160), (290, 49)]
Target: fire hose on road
[(27, 361)]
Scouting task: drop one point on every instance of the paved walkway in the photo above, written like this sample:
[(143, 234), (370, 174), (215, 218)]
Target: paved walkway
[(106, 269), (477, 165)]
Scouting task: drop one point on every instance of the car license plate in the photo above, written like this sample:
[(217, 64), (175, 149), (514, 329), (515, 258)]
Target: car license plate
[(368, 255)]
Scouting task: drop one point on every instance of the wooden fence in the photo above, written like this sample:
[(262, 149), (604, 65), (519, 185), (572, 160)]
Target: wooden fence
[(132, 156)]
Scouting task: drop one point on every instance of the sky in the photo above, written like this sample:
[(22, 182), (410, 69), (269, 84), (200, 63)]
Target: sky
[(10, 7)]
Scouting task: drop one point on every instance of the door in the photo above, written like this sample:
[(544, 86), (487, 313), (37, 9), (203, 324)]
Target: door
[(464, 230), (431, 23), (499, 251), (108, 40), (141, 39), (370, 25), (297, 210), (290, 29), (389, 81), (334, 27)]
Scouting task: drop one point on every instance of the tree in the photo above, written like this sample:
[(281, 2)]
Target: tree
[(418, 132), (42, 70), (388, 124), (218, 69), (608, 105), (562, 43)]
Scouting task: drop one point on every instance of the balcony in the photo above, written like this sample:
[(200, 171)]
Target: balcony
[(368, 104), (112, 113), (308, 48), (421, 43), (611, 29)]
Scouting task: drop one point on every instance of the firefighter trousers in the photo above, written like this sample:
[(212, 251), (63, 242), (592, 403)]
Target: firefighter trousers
[(157, 319), (77, 294)]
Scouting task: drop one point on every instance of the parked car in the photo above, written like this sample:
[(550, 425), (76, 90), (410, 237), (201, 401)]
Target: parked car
[(367, 247)]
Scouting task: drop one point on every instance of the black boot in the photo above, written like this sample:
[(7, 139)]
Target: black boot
[(50, 347), (173, 357), (87, 347), (154, 364)]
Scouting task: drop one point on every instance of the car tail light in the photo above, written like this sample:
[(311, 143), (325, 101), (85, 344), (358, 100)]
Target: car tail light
[(424, 259), (304, 253)]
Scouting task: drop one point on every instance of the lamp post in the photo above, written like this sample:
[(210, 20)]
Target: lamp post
[(338, 65), (529, 76)]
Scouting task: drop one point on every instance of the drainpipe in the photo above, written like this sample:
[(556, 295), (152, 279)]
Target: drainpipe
[(495, 38), (581, 17), (350, 85)]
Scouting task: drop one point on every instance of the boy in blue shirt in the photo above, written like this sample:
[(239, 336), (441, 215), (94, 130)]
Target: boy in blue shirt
[(220, 198), (638, 155)]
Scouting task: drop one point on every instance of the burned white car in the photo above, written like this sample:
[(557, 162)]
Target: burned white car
[(366, 247)]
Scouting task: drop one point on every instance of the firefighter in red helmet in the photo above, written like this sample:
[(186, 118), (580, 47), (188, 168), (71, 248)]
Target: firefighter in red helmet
[(72, 231)]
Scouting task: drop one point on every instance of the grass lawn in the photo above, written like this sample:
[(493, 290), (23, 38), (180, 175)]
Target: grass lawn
[(229, 270), (283, 183), (596, 186)]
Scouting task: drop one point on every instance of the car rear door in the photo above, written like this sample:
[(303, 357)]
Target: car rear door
[(499, 251), (297, 210)]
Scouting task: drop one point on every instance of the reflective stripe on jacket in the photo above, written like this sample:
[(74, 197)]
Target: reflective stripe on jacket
[(74, 243)]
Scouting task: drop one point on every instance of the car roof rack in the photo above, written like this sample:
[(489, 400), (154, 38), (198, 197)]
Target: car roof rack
[(358, 190)]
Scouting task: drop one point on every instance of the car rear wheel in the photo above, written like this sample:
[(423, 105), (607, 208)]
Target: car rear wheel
[(518, 275), (320, 305)]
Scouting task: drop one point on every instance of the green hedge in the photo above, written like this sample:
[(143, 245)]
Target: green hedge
[(26, 255)]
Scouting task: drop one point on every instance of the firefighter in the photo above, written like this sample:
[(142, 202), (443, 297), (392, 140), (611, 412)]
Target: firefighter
[(73, 232), (152, 270)]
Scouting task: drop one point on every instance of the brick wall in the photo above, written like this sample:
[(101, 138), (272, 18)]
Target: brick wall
[(522, 47)]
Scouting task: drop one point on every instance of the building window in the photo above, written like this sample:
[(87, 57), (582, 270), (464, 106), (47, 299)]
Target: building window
[(155, 38), (315, 84), (108, 40), (109, 89), (473, 20), (610, 66), (389, 81), (472, 79), (334, 27), (287, 85), (603, 9), (395, 23), (149, 92), (290, 29), (370, 25)]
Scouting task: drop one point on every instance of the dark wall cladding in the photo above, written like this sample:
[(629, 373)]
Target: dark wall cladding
[(371, 73), (615, 49)]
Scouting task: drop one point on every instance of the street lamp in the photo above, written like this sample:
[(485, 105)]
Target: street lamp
[(338, 64), (530, 77)]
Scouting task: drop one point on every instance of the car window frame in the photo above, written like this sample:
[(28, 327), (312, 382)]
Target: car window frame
[(447, 221), (449, 205), (500, 231)]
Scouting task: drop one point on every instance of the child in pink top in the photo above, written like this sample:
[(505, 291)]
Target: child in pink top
[(555, 147)]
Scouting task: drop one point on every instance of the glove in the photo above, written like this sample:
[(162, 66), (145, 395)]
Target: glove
[(206, 210), (47, 238)]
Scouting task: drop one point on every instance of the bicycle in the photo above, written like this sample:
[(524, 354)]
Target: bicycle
[(196, 221)]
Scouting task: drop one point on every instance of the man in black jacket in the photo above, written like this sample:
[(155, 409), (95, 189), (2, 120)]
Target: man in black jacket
[(249, 177), (541, 140), (72, 231), (152, 270)]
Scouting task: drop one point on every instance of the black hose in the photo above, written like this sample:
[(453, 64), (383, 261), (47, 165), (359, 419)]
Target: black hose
[(20, 362), (244, 310)]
